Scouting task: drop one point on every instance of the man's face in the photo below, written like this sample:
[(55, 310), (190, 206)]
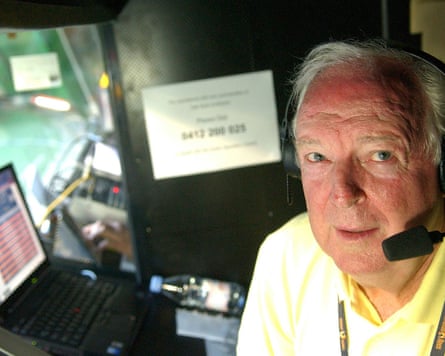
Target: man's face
[(362, 180)]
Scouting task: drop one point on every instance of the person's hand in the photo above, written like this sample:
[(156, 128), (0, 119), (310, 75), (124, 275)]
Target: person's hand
[(109, 235)]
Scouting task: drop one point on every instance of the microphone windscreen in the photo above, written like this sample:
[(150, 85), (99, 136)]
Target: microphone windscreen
[(408, 244)]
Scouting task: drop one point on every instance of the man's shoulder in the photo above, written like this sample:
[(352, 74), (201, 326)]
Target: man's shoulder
[(294, 235), (298, 227)]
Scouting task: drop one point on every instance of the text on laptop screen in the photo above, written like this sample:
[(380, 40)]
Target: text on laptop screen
[(20, 249)]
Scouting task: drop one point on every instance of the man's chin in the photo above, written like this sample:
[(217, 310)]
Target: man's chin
[(356, 265)]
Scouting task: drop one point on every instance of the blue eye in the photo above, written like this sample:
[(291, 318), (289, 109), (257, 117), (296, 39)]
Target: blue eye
[(315, 157), (382, 156)]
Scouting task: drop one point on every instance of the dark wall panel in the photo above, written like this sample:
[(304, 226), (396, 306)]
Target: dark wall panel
[(212, 224)]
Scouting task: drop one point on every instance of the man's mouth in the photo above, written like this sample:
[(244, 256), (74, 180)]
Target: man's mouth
[(355, 233)]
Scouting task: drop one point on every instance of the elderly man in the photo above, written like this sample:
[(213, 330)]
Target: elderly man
[(367, 131)]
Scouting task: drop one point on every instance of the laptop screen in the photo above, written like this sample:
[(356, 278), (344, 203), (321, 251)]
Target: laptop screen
[(20, 250)]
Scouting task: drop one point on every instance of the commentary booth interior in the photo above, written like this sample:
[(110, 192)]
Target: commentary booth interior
[(202, 218)]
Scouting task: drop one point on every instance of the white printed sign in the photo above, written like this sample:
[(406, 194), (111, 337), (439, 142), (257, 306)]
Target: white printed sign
[(35, 71), (212, 124)]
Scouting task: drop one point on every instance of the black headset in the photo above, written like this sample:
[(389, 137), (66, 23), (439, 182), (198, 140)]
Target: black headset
[(287, 134)]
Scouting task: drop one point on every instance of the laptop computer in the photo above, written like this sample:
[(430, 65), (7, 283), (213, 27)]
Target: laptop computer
[(25, 273)]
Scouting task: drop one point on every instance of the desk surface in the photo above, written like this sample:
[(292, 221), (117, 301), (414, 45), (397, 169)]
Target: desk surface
[(158, 334)]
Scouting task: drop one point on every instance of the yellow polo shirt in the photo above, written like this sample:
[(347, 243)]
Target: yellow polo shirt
[(292, 305)]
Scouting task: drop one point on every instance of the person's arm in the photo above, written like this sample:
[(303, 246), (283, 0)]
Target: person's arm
[(109, 235)]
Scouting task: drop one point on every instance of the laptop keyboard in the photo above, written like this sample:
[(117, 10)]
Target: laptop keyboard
[(67, 309)]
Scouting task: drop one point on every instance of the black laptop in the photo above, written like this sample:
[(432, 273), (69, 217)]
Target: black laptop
[(59, 310)]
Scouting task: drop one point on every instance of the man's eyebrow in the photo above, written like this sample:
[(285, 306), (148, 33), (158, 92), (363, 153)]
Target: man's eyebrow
[(302, 141), (309, 141), (380, 138)]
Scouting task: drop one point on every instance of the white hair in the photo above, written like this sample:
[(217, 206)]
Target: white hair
[(429, 76)]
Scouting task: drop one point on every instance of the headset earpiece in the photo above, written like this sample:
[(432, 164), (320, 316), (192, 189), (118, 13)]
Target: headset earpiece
[(440, 67), (289, 155)]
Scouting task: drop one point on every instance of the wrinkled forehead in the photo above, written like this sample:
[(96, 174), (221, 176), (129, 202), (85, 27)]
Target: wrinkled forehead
[(355, 83), (391, 74)]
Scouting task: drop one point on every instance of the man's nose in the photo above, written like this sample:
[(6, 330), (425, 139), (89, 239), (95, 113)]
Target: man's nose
[(346, 188)]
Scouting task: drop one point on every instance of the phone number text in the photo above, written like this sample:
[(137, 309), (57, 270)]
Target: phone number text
[(216, 131)]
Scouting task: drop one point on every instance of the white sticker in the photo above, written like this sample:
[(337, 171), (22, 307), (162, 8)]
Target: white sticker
[(35, 71)]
